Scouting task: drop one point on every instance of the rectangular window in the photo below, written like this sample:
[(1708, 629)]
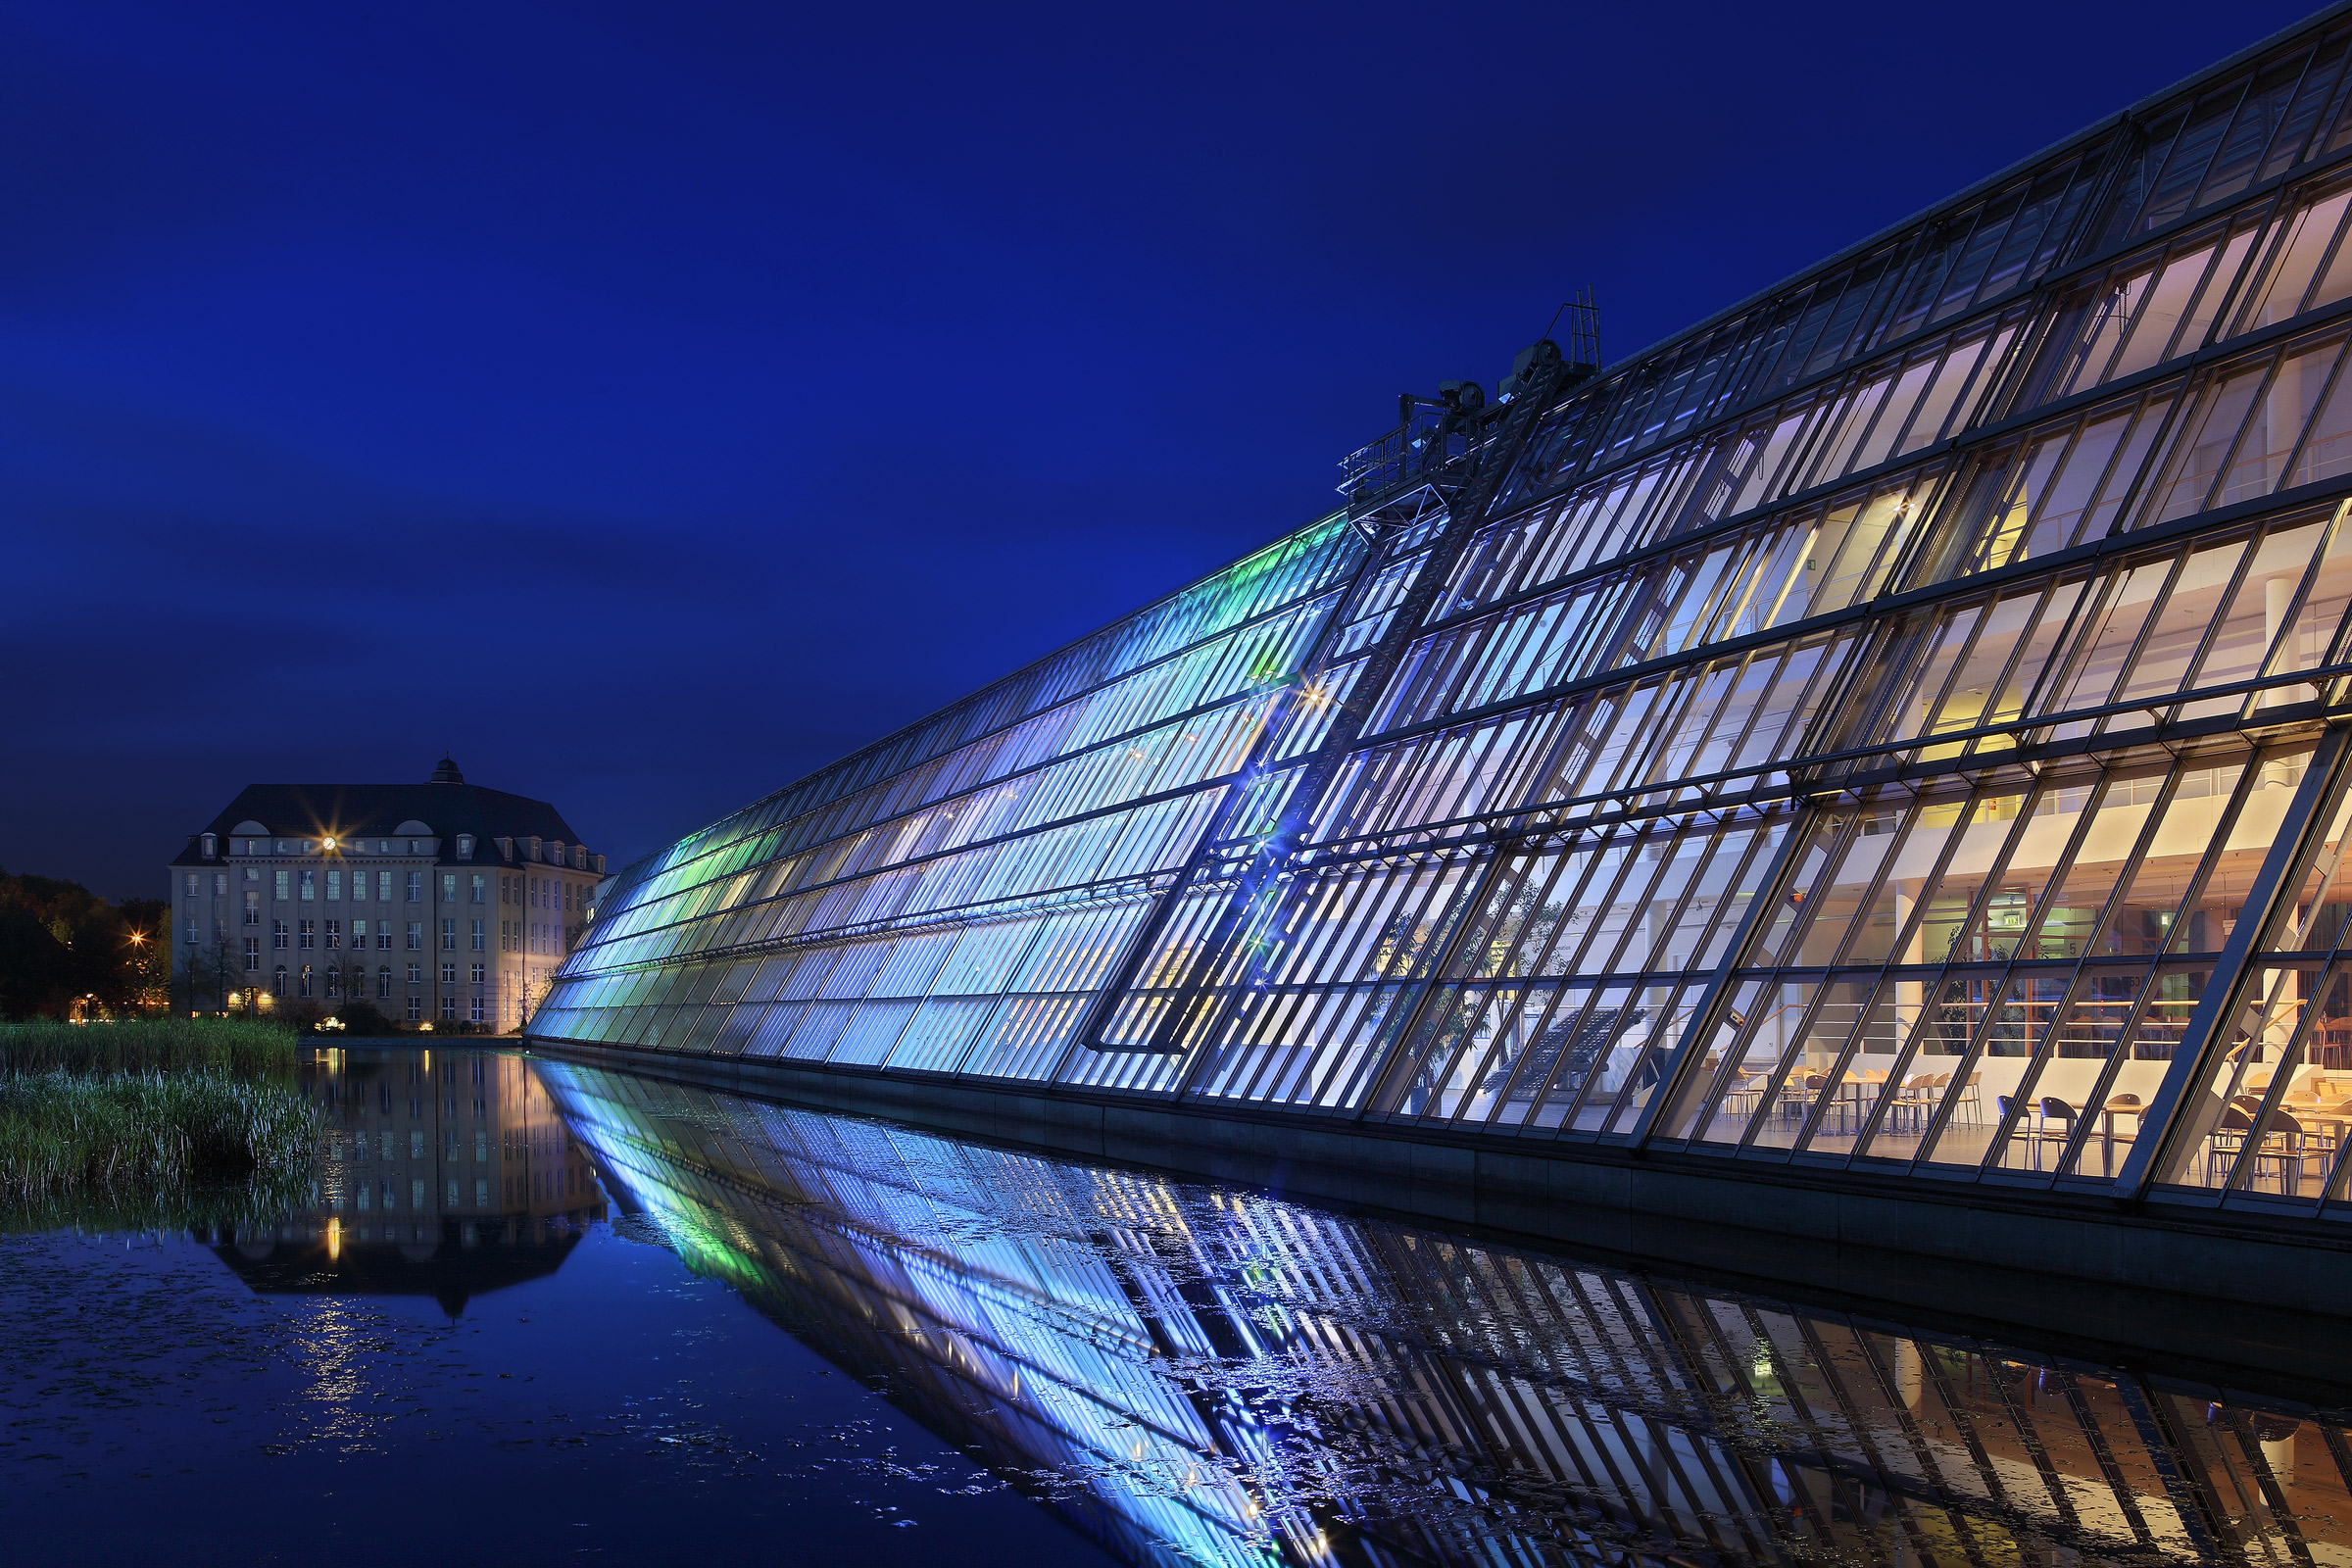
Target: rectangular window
[(252, 909), (449, 936), (191, 927), (277, 934), (310, 885), (253, 955), (477, 974), (309, 934), (415, 935), (415, 974), (334, 934), (449, 886), (282, 878), (449, 1014), (191, 884), (359, 935), (449, 974), (334, 887), (415, 887), (478, 892), (416, 1013), (359, 886), (383, 886), (220, 884), (383, 936), (481, 1187), (480, 936)]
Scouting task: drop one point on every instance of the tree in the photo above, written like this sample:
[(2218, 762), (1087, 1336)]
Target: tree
[(535, 992), (224, 969), (140, 980), (60, 943), (38, 974), (205, 977)]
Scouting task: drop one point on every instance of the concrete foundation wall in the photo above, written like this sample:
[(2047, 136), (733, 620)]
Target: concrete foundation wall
[(2274, 1296)]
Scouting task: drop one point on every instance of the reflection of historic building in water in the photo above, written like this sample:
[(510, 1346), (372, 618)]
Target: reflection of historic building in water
[(1892, 735), (442, 1172), (1219, 1375)]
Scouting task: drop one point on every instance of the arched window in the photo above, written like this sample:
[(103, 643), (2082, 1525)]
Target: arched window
[(277, 982), (384, 981), (303, 982)]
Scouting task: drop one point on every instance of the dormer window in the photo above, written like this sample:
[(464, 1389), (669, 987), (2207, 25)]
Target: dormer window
[(465, 846), (211, 846)]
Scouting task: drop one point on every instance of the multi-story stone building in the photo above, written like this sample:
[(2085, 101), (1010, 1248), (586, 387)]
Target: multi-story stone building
[(440, 903)]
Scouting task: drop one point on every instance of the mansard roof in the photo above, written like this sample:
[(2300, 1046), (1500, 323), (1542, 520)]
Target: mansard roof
[(357, 810)]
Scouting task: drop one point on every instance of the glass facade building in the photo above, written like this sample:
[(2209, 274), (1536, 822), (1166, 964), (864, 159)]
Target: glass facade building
[(1895, 727)]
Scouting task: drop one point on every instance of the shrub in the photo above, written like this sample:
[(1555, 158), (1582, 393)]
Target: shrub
[(364, 1019)]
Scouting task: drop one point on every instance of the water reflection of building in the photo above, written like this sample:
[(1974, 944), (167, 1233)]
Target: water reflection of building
[(444, 1173), (1227, 1376)]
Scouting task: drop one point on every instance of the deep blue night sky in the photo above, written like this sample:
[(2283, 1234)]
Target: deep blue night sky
[(650, 403)]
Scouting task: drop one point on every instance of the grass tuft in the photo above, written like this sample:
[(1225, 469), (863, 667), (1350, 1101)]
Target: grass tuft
[(133, 1131), (150, 1123)]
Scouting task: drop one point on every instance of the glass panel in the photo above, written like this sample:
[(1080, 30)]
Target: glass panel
[(2199, 460), (2309, 238)]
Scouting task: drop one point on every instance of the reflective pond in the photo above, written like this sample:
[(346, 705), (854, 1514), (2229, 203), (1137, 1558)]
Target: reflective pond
[(539, 1312)]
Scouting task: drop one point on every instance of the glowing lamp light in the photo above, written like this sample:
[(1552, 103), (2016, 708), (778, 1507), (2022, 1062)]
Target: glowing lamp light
[(328, 841)]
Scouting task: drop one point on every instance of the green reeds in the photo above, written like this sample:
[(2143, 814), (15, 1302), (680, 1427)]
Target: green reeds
[(60, 1130), (151, 1122), (234, 1047)]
